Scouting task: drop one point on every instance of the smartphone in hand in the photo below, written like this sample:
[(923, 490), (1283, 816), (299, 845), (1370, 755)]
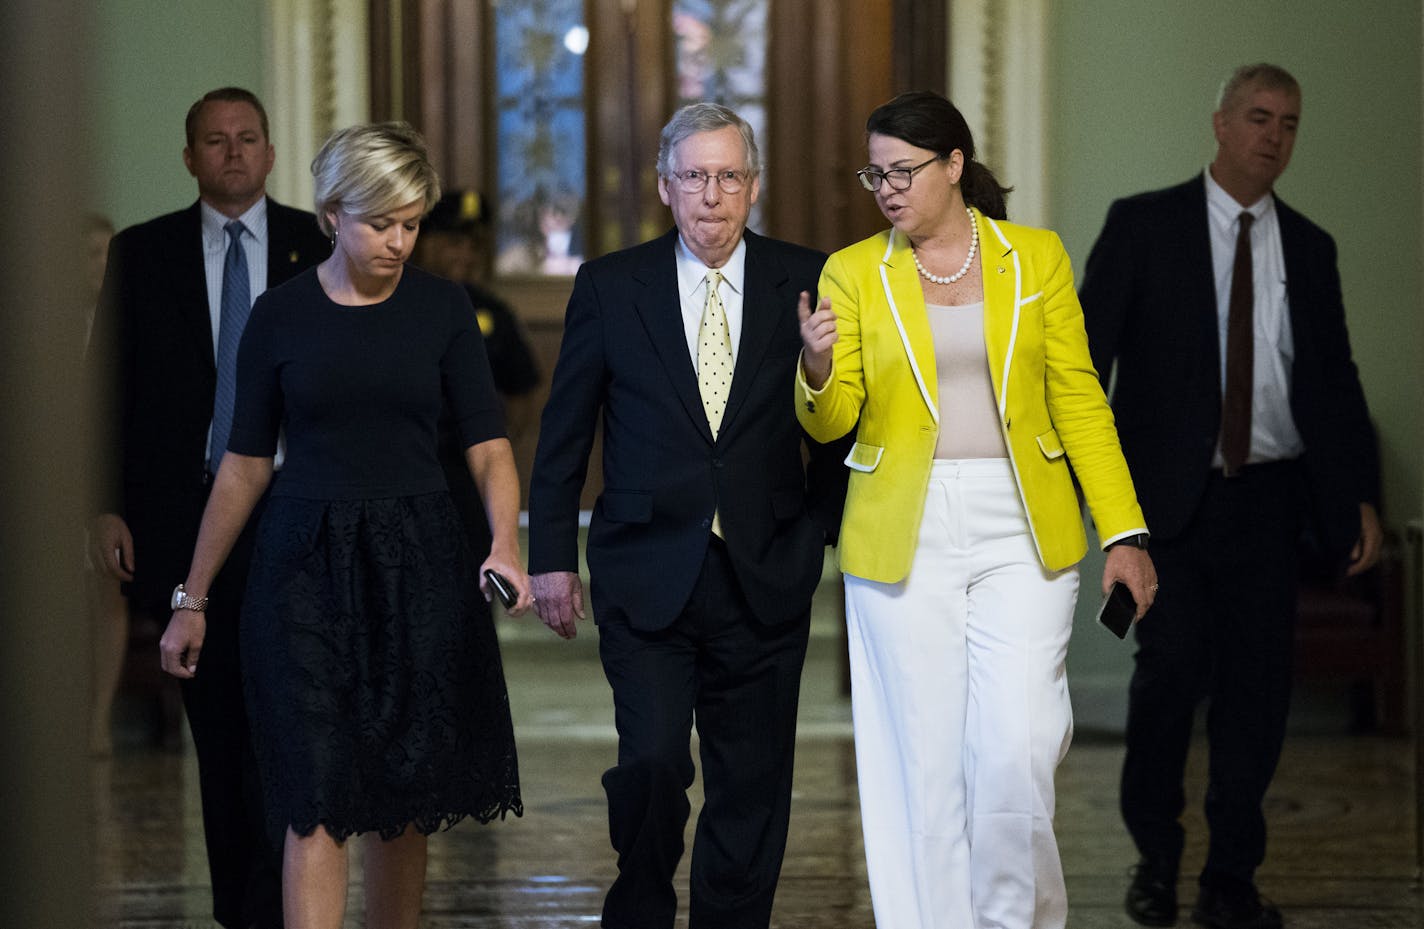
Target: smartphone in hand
[(1118, 610), (502, 588)]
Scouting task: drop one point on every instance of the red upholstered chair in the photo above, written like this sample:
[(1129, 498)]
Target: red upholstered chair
[(1352, 628)]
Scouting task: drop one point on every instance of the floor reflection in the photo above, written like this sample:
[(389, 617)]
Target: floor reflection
[(1341, 855)]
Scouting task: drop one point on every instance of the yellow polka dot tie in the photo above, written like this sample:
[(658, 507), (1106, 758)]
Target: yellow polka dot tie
[(714, 363), (714, 355)]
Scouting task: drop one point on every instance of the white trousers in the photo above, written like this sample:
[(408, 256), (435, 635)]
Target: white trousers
[(961, 712)]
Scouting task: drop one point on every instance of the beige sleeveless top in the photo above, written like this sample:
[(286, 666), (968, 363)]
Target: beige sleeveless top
[(968, 414)]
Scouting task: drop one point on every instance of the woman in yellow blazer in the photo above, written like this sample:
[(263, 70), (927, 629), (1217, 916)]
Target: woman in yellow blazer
[(972, 393)]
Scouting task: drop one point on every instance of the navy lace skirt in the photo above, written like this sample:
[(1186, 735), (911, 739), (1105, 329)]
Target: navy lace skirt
[(372, 673)]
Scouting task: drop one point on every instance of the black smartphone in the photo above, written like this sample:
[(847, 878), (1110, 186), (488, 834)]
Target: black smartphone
[(502, 588), (1118, 610)]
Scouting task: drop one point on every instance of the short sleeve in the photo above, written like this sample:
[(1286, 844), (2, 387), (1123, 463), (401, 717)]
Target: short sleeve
[(466, 377), (257, 412)]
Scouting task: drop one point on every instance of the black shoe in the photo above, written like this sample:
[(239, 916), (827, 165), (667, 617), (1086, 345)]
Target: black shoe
[(1220, 909), (1152, 896)]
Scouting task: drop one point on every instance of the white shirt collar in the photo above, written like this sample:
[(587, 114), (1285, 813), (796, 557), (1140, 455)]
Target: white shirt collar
[(1224, 209), (691, 271), (214, 223)]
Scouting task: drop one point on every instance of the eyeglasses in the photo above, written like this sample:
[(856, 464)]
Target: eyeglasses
[(693, 181), (898, 178)]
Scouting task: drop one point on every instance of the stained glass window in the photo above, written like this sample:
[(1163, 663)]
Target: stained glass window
[(539, 103), (721, 58)]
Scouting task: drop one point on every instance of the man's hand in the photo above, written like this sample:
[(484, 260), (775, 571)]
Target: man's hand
[(111, 546), (1368, 546), (558, 599), (1133, 567), (182, 641), (818, 334)]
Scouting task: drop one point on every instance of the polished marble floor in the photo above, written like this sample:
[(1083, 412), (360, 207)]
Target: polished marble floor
[(1341, 816)]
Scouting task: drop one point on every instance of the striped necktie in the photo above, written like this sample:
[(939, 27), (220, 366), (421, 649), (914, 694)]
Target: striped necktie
[(236, 305)]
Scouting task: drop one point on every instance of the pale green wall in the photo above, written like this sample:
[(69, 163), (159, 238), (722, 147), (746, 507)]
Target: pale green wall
[(1132, 86), (153, 58)]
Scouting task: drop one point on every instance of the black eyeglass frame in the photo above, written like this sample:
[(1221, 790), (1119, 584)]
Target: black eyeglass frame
[(871, 179)]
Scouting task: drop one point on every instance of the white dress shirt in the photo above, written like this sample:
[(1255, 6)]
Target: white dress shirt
[(692, 292), (1274, 436)]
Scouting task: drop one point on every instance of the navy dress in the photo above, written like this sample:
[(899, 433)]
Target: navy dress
[(371, 668)]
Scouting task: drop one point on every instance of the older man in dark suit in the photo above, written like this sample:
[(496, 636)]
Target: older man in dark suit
[(1244, 424), (703, 550), (175, 298)]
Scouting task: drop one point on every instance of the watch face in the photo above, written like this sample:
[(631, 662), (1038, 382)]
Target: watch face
[(178, 597)]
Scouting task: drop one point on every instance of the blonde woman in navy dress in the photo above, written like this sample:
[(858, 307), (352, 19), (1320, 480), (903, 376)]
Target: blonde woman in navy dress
[(370, 663)]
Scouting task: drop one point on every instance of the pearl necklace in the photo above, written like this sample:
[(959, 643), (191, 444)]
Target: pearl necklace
[(968, 259)]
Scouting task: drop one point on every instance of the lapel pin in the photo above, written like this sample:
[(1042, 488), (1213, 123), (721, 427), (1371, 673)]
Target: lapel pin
[(293, 257)]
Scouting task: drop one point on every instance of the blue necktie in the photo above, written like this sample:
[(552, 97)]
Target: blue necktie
[(236, 306)]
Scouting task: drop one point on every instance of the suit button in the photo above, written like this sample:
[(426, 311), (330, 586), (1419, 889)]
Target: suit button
[(716, 462), (707, 524), (810, 406)]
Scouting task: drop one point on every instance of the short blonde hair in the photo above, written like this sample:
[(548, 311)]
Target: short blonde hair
[(371, 169)]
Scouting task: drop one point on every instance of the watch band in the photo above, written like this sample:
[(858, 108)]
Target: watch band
[(182, 600), (1137, 540)]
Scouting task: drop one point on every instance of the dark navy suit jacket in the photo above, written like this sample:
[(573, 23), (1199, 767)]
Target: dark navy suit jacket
[(624, 363), (153, 359), (1149, 303)]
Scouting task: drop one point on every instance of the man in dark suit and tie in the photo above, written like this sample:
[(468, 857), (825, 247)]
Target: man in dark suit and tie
[(1243, 421), (707, 540), (176, 295)]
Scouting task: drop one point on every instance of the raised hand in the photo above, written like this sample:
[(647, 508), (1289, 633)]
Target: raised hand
[(818, 334)]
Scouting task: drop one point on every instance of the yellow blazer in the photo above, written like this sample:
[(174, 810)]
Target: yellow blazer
[(1051, 404)]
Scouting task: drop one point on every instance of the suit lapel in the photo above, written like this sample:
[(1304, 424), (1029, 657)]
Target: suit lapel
[(1294, 250), (903, 295), (761, 302), (1304, 293), (1002, 292), (284, 256), (190, 286), (659, 306), (1196, 255)]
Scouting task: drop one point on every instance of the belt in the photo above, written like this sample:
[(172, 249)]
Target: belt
[(1256, 469)]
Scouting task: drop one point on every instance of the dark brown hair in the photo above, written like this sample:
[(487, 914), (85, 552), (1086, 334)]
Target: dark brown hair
[(927, 120), (224, 95)]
